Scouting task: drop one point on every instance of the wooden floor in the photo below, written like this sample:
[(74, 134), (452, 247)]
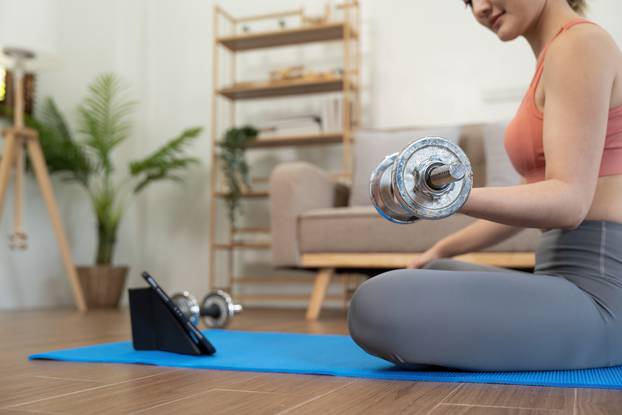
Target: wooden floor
[(72, 388)]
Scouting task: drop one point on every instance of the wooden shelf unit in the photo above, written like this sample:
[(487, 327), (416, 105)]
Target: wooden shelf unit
[(228, 92), (286, 37)]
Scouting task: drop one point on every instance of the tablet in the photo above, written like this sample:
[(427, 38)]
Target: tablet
[(194, 334)]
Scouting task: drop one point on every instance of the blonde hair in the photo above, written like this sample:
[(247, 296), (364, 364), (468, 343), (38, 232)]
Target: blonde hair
[(579, 6)]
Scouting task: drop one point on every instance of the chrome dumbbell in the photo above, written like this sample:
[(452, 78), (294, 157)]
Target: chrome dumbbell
[(430, 178), (216, 309)]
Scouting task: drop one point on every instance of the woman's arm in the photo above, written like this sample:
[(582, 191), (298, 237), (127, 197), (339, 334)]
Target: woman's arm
[(475, 237), (578, 79)]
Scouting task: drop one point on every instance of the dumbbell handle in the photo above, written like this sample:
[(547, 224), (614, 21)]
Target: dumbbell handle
[(441, 175), (214, 311)]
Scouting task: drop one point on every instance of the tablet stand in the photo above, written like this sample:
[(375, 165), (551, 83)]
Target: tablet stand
[(154, 327)]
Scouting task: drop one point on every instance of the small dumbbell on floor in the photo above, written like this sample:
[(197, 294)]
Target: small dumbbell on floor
[(216, 309), (430, 178)]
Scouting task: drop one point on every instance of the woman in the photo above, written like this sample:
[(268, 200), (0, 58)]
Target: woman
[(566, 142)]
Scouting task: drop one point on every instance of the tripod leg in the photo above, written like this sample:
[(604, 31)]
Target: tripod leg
[(5, 166), (18, 238), (41, 171)]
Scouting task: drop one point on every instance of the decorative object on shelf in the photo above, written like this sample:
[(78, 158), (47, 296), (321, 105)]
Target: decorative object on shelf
[(246, 28), (332, 74), (297, 73), (282, 23), (103, 124), (337, 72), (288, 73), (316, 13), (235, 166)]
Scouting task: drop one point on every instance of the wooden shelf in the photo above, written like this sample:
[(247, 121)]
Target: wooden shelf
[(285, 37), (281, 89), (297, 140), (251, 194), (244, 245)]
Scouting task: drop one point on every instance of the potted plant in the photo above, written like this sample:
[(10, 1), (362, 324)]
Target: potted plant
[(234, 165), (86, 158)]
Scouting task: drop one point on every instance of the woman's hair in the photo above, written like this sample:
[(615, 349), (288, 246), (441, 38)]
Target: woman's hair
[(579, 6)]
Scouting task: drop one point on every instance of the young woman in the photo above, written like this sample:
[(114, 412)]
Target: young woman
[(566, 142)]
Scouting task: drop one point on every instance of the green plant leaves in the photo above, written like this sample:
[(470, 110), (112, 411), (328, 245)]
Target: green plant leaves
[(62, 153), (235, 168), (165, 161), (103, 118)]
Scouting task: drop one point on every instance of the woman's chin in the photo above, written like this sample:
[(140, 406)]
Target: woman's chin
[(506, 35)]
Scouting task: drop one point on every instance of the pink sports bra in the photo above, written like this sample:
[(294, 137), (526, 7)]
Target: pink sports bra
[(523, 136)]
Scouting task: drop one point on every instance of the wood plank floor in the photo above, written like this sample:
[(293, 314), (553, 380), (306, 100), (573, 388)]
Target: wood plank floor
[(71, 388)]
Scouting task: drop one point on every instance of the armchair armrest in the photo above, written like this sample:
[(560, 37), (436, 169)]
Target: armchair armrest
[(297, 187)]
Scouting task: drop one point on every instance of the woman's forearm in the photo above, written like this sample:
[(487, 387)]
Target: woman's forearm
[(546, 204), (477, 236)]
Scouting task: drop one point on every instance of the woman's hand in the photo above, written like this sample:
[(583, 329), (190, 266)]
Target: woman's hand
[(428, 256)]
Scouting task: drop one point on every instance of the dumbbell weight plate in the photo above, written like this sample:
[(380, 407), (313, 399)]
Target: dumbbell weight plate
[(409, 172), (188, 305), (381, 193), (225, 306)]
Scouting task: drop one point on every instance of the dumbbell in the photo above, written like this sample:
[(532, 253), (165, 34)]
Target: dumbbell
[(430, 178), (216, 309)]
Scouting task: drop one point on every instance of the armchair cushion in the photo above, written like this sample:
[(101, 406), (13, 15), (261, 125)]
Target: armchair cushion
[(295, 188)]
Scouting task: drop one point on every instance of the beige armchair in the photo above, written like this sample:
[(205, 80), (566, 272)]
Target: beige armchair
[(320, 224)]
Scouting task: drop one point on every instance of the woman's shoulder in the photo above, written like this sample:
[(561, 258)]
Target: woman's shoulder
[(585, 48), (583, 42)]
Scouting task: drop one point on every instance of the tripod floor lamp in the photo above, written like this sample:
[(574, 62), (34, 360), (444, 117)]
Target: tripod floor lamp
[(24, 45)]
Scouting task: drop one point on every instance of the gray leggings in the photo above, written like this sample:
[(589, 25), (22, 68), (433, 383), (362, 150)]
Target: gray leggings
[(566, 315)]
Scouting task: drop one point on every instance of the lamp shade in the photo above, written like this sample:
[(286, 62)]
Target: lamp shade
[(29, 26)]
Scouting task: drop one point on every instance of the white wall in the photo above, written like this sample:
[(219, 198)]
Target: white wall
[(425, 62)]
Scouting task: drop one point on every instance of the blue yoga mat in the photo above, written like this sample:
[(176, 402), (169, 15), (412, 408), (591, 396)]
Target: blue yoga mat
[(320, 355)]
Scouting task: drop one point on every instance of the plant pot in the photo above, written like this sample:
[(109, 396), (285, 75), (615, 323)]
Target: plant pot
[(102, 285)]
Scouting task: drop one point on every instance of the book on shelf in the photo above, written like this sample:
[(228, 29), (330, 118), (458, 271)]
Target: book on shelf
[(289, 126), (332, 113)]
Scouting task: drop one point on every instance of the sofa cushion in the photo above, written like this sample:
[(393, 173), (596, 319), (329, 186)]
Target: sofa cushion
[(372, 146), (499, 169), (472, 142), (361, 229)]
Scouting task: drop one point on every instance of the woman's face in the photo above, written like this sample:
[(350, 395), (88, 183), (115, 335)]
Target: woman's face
[(508, 19)]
